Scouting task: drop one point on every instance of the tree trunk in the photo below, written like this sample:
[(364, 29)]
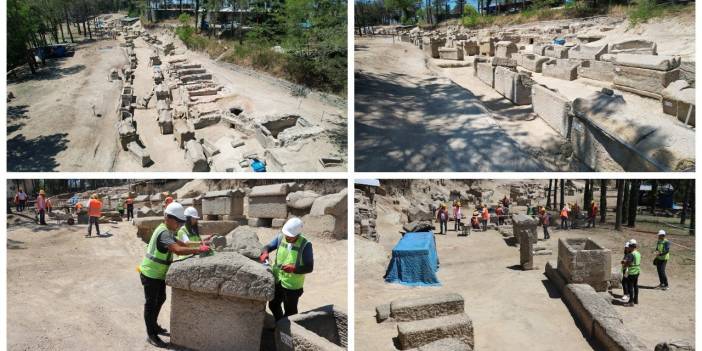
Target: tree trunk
[(603, 200), (620, 203), (562, 193), (625, 204), (555, 193), (197, 12), (692, 207), (68, 24), (586, 196), (60, 25), (686, 200), (654, 196), (633, 202), (548, 194)]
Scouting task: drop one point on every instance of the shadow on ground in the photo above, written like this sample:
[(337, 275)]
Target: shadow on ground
[(35, 155)]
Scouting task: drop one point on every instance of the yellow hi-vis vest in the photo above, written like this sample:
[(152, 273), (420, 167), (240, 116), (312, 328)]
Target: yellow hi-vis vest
[(283, 256), (660, 247), (155, 263), (635, 267), (182, 232)]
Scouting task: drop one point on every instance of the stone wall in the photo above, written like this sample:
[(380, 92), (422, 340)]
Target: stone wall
[(583, 261)]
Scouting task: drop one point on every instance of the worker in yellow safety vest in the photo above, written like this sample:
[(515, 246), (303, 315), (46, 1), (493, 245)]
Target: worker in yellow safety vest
[(293, 260), (159, 255), (634, 269), (662, 256), (189, 233)]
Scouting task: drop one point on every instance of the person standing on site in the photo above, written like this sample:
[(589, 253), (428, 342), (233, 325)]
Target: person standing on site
[(22, 200), (500, 213), (486, 217), (662, 256), (442, 217), (573, 214), (120, 208), (40, 206), (505, 203), (457, 216), (634, 272), (168, 201), (152, 271), (130, 207), (545, 219), (626, 261), (190, 232), (592, 214), (49, 206), (94, 213), (293, 260), (564, 217)]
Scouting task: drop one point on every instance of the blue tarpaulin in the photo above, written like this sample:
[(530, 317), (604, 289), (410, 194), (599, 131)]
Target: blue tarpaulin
[(414, 261)]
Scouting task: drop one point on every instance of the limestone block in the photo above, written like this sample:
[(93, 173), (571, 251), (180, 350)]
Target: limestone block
[(678, 100), (524, 227), (612, 334), (184, 131), (127, 133), (196, 156), (471, 48), (675, 345), (279, 189), (165, 122), (195, 202), (244, 240), (333, 204), (139, 154), (643, 81), (540, 48), (224, 203), (566, 69), (321, 329), (583, 261), (431, 306), (206, 121), (640, 47), (422, 332), (515, 86), (503, 61), (556, 51), (278, 222), (587, 306), (554, 276), (431, 46), (447, 344), (487, 47), (218, 301), (451, 54), (325, 226), (587, 52), (505, 49), (256, 222), (532, 62), (552, 107), (597, 70), (486, 73), (146, 226), (268, 206), (652, 62), (216, 227), (301, 200)]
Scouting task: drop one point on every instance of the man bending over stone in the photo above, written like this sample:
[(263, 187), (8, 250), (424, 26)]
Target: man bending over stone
[(294, 259)]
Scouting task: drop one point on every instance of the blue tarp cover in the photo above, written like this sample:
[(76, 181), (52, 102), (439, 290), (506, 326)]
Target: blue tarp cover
[(414, 261)]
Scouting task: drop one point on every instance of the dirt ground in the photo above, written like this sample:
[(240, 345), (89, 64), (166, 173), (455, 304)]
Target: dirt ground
[(409, 118), (66, 292), (51, 126), (513, 309)]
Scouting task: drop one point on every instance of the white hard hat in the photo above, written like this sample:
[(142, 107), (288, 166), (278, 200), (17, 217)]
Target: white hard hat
[(627, 244), (191, 212), (292, 227), (661, 232), (632, 242), (176, 210)]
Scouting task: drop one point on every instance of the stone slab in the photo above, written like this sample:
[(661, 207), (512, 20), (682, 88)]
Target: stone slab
[(411, 309), (422, 332), (553, 108)]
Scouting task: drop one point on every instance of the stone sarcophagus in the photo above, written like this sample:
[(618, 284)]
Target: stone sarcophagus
[(269, 201), (583, 261), (228, 203), (322, 329)]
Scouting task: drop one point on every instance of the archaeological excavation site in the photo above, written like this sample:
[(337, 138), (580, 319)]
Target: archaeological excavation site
[(134, 98), (219, 290), (579, 94), (524, 264)]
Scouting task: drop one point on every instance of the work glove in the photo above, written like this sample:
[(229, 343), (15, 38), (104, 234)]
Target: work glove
[(288, 268), (263, 257), (204, 249)]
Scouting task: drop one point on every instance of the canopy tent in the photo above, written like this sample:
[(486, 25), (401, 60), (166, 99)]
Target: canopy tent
[(414, 261)]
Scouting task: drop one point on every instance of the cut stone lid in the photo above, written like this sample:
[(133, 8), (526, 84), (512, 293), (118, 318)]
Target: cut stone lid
[(654, 62), (141, 198), (156, 197), (270, 190), (223, 193), (522, 219), (224, 274)]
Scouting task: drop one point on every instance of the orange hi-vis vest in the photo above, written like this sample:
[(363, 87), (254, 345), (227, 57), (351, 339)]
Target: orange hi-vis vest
[(564, 213), (129, 201), (486, 214), (94, 207), (169, 200)]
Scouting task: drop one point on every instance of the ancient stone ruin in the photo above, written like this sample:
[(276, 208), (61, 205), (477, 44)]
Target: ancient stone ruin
[(583, 261), (524, 228), (321, 329), (218, 301)]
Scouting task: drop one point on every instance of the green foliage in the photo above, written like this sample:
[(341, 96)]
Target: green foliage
[(648, 9), (472, 19), (184, 19)]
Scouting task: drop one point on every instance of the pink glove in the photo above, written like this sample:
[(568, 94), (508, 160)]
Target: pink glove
[(204, 248)]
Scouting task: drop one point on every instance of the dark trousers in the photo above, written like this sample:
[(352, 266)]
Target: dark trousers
[(443, 226), (21, 205), (484, 224), (457, 225), (546, 235), (660, 267), (564, 222), (121, 213), (42, 219), (591, 221), (633, 288), (90, 225), (288, 298), (155, 294), (130, 212), (625, 285)]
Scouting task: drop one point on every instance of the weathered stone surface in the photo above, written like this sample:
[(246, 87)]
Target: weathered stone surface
[(532, 62), (146, 226), (615, 282), (583, 261), (588, 306), (422, 332), (471, 48), (224, 203), (505, 49), (556, 51), (333, 204), (195, 154), (675, 345), (448, 344), (301, 200), (278, 222), (487, 47), (597, 70), (641, 47), (244, 240), (269, 201), (678, 99), (382, 312), (224, 274), (486, 73), (611, 334), (127, 133), (514, 86), (321, 329), (643, 81), (418, 226), (418, 213), (524, 227), (451, 54), (412, 309), (216, 227), (165, 122), (587, 52), (653, 62), (554, 276), (552, 107), (431, 46), (184, 131), (566, 69), (270, 190)]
